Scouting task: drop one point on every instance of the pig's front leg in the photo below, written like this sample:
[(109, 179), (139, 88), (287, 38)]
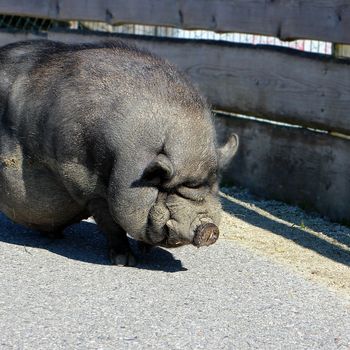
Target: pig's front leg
[(118, 245)]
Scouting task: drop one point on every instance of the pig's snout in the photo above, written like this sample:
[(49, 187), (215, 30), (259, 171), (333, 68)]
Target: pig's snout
[(205, 234)]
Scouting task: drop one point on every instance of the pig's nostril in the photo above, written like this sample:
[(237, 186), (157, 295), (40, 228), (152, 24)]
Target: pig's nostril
[(205, 234)]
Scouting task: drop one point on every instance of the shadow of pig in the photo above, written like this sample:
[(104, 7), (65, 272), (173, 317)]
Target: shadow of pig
[(84, 242)]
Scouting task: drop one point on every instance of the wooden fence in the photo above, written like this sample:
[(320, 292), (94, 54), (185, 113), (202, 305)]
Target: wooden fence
[(297, 165)]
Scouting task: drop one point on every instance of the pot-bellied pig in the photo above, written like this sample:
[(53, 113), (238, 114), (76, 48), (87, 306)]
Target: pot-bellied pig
[(109, 131)]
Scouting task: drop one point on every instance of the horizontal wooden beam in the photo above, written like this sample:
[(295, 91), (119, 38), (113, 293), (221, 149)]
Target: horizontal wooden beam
[(327, 20), (283, 85), (296, 166)]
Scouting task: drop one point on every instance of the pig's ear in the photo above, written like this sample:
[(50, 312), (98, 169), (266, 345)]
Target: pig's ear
[(160, 169), (227, 151)]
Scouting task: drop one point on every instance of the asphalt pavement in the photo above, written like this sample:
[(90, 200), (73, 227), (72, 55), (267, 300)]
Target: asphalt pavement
[(63, 294)]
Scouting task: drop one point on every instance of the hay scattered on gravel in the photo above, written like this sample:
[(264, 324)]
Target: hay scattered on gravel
[(307, 243)]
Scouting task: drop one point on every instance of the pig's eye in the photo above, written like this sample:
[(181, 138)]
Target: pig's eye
[(196, 185), (193, 186), (193, 192)]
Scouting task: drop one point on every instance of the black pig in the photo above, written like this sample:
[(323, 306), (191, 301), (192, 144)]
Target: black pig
[(109, 131)]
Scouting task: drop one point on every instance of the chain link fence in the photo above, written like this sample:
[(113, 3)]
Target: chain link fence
[(30, 24)]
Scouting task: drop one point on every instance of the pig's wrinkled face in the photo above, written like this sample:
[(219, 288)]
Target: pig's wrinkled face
[(173, 200), (185, 216), (187, 209)]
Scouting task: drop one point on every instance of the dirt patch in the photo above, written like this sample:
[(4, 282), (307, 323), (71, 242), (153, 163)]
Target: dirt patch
[(308, 243)]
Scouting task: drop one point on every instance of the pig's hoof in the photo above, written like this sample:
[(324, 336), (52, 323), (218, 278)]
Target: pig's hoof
[(122, 259)]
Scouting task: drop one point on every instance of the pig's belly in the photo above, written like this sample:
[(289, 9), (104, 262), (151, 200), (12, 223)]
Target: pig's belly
[(30, 195)]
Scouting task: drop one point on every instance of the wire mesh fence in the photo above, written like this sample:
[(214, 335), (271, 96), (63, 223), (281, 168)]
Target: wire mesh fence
[(44, 25), (29, 24)]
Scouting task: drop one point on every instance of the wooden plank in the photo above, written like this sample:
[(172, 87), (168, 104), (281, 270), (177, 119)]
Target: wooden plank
[(278, 84), (342, 51), (327, 20), (293, 165)]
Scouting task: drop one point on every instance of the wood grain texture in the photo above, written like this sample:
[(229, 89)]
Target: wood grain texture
[(293, 165), (327, 20), (278, 84)]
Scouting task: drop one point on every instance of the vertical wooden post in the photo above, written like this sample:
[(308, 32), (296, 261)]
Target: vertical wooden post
[(341, 51), (73, 24)]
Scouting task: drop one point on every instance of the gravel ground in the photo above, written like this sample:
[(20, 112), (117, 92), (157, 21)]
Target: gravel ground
[(307, 243), (254, 289)]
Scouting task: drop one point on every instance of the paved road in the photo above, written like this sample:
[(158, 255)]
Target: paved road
[(64, 295)]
